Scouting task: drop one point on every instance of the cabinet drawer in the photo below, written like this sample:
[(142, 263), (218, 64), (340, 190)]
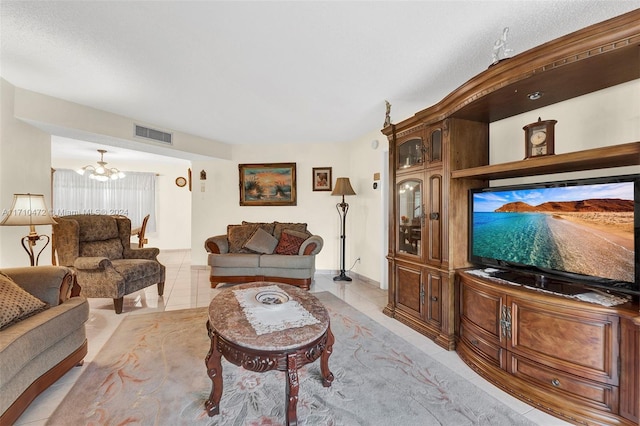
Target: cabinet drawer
[(561, 385), (489, 350)]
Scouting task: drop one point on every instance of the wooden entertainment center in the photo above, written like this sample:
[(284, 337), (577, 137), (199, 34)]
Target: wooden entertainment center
[(576, 360)]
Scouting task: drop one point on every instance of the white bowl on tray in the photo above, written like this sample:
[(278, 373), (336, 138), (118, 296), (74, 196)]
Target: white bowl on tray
[(272, 298)]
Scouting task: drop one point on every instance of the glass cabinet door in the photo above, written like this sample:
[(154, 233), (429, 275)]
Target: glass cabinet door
[(435, 145), (410, 153), (410, 206)]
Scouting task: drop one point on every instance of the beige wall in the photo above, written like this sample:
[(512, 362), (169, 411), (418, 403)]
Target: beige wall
[(25, 161), (219, 205), (210, 211), (602, 118), (57, 116)]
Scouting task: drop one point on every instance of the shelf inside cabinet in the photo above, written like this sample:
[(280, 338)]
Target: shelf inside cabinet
[(598, 158)]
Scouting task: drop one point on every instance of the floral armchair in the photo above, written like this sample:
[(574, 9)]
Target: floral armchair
[(98, 248)]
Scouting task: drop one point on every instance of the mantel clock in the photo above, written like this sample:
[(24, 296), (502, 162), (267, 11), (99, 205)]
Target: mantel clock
[(539, 138)]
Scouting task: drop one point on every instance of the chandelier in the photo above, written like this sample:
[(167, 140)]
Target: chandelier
[(101, 173)]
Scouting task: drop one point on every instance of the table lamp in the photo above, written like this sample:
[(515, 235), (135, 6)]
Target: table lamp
[(30, 210), (343, 187)]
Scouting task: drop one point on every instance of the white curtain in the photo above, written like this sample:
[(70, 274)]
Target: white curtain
[(133, 196)]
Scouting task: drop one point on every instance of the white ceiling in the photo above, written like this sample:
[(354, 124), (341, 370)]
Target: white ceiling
[(82, 153), (244, 72)]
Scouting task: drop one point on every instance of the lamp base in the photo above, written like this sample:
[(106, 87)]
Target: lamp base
[(342, 277), (29, 241)]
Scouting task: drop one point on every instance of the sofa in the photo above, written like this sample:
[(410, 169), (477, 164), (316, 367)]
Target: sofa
[(283, 252), (42, 333)]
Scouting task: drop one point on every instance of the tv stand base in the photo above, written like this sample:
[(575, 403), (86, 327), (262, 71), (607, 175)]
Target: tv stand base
[(573, 289), (559, 354)]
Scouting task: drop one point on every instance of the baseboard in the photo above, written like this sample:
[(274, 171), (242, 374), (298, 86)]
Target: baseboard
[(351, 274), (364, 279)]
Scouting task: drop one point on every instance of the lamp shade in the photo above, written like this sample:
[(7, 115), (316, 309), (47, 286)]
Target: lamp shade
[(28, 209), (343, 187)]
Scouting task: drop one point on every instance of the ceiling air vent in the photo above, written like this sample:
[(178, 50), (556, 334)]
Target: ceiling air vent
[(156, 135)]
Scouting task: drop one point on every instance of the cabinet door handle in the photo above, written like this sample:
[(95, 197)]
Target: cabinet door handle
[(505, 322), (555, 382), (434, 216), (434, 299)]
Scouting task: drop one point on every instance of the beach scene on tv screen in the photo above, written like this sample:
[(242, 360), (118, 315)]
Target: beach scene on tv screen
[(585, 229)]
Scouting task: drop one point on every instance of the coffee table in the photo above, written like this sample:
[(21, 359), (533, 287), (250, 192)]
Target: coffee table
[(233, 337)]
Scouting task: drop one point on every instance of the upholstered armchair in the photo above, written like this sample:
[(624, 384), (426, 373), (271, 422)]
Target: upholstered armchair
[(98, 248)]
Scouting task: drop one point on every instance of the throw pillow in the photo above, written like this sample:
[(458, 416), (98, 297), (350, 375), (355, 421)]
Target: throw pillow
[(15, 303), (303, 235), (262, 242), (267, 226), (279, 227), (238, 235), (289, 244)]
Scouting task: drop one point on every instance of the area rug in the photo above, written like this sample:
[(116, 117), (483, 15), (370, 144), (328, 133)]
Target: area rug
[(152, 372)]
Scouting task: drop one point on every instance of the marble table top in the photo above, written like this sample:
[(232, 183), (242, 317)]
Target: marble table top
[(228, 319)]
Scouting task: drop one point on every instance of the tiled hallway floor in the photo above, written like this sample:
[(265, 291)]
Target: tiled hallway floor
[(188, 287)]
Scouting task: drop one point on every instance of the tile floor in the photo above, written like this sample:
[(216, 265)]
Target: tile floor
[(188, 287)]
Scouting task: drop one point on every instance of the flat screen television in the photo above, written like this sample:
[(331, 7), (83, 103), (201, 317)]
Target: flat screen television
[(584, 231)]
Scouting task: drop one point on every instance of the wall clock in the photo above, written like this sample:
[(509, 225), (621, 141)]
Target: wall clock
[(539, 138), (180, 181)]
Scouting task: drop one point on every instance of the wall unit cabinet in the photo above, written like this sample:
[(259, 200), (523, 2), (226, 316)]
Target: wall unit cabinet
[(421, 265), (577, 361)]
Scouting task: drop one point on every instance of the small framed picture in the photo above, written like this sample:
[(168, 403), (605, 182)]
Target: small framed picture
[(322, 179)]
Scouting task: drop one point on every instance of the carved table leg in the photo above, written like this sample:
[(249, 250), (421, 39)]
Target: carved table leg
[(292, 390), (214, 370), (327, 375)]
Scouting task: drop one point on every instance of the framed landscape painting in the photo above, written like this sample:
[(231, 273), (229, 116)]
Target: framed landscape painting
[(270, 184), (322, 178)]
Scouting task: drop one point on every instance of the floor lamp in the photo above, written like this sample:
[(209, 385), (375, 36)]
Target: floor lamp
[(343, 187), (30, 210)]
